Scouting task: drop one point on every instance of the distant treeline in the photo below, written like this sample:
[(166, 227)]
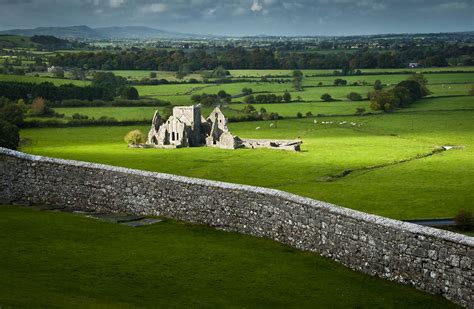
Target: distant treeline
[(241, 58), (50, 92)]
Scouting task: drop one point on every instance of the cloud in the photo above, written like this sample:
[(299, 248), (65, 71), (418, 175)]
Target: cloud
[(116, 3), (256, 6), (154, 8), (448, 6)]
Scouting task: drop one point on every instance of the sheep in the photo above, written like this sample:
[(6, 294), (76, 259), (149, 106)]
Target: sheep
[(257, 128)]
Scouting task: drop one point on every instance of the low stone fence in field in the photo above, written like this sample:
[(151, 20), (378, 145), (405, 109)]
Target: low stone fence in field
[(432, 260)]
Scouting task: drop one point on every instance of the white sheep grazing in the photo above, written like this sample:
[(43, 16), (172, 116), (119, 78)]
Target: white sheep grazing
[(257, 128), (315, 121), (271, 124)]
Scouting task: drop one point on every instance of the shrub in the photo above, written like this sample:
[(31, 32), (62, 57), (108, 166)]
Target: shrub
[(9, 135), (360, 111), (309, 114), (299, 115), (465, 220), (247, 91), (378, 85), (471, 92), (38, 106), (287, 97), (12, 113), (134, 137), (79, 116), (129, 93), (153, 75), (354, 96), (326, 97), (340, 82)]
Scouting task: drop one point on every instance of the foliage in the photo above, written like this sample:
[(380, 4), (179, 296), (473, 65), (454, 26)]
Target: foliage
[(354, 96), (9, 135), (135, 137), (212, 99), (247, 91), (297, 80), (11, 112), (268, 98), (326, 97), (299, 115), (465, 220), (287, 97), (129, 93), (360, 111), (340, 82), (378, 85), (471, 92), (47, 90), (384, 101), (260, 58)]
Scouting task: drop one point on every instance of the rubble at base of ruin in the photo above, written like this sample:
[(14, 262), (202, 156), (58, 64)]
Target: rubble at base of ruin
[(187, 128)]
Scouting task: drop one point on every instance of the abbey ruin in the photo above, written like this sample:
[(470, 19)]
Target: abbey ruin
[(186, 127)]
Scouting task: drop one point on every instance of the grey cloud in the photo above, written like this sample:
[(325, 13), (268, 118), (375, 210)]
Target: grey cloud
[(243, 17)]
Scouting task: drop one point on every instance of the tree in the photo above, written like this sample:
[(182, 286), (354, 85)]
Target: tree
[(38, 106), (153, 74), (326, 97), (249, 109), (247, 91), (297, 79), (378, 85), (135, 137), (12, 113), (108, 80), (309, 114), (354, 96), (299, 115), (422, 80), (9, 135), (404, 96), (57, 72), (249, 99), (416, 90), (78, 74), (222, 94), (129, 93), (340, 82), (360, 111), (287, 97), (384, 100), (471, 92), (465, 220)]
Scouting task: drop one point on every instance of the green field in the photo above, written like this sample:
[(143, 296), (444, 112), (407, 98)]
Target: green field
[(52, 259), (135, 113), (34, 79), (437, 186)]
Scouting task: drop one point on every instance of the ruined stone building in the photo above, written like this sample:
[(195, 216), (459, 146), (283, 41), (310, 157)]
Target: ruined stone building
[(187, 128)]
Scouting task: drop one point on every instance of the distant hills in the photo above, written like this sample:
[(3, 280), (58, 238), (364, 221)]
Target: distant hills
[(85, 32)]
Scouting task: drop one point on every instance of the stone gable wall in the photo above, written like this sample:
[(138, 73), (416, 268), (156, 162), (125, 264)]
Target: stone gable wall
[(432, 260)]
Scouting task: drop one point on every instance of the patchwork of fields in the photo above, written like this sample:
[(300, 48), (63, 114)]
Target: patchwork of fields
[(388, 158)]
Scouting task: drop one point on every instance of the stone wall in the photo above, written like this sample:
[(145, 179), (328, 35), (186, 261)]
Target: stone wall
[(431, 260)]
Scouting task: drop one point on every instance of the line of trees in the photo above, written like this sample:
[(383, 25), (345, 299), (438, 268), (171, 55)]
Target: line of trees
[(105, 86), (260, 58)]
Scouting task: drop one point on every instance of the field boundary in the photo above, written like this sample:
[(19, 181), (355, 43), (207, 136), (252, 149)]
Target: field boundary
[(431, 260)]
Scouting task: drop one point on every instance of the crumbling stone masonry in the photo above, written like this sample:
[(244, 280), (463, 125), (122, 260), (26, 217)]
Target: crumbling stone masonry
[(432, 260), (187, 128)]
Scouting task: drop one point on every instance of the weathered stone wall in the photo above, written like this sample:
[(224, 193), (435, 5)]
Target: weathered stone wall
[(431, 260)]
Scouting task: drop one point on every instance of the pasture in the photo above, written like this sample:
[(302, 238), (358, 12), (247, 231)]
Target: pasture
[(172, 264), (436, 186)]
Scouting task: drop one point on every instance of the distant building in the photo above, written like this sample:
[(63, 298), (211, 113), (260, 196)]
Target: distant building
[(413, 65)]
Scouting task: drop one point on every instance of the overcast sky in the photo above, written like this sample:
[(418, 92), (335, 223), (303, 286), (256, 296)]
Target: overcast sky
[(247, 17)]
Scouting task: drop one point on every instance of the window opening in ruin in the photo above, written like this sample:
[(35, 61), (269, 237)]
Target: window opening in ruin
[(172, 136)]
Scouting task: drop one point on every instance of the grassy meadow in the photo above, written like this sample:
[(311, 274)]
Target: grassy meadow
[(433, 187), (172, 264)]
